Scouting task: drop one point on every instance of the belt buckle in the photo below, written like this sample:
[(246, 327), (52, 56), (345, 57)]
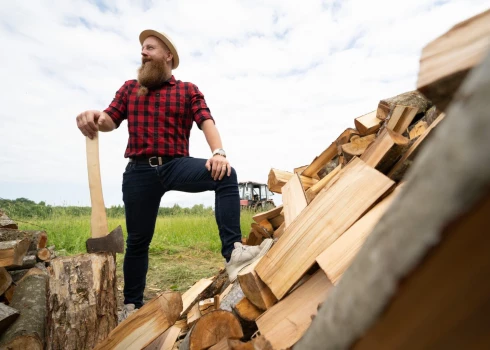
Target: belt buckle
[(158, 159)]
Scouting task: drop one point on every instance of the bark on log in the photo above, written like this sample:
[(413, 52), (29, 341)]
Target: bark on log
[(411, 98), (210, 329), (82, 302), (418, 218), (38, 239), (28, 331), (7, 316)]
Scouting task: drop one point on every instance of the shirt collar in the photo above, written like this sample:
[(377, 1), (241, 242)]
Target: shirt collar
[(171, 81)]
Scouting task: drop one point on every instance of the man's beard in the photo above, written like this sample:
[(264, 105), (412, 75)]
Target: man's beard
[(152, 74)]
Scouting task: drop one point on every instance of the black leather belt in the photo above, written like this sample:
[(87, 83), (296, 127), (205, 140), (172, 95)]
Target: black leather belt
[(152, 161)]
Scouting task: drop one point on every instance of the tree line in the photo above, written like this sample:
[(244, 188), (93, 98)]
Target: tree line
[(26, 208)]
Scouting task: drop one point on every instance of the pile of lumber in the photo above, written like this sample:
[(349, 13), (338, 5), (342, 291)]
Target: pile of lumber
[(24, 258)]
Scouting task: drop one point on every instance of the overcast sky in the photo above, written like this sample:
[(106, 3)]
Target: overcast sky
[(282, 78)]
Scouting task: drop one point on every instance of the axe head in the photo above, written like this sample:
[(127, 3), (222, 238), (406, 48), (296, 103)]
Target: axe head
[(112, 243)]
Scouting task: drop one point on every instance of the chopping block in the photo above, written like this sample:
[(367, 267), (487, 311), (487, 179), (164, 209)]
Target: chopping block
[(102, 240)]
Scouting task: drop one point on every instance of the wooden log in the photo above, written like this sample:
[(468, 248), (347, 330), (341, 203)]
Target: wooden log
[(437, 227), (286, 322), (411, 98), (5, 280), (222, 295), (190, 297), (142, 327), (8, 315), (397, 172), (206, 306), (9, 294), (193, 315), (279, 231), (254, 238), (165, 341), (28, 262), (220, 283), (386, 150), (82, 306), (324, 183), (356, 146), (418, 129), (321, 223), (278, 178), (210, 329), (337, 258), (12, 252), (37, 239), (431, 115), (246, 310), (277, 221), (446, 61), (272, 213), (43, 254), (265, 224), (368, 124), (400, 118), (6, 222), (260, 230), (28, 331), (300, 169), (31, 272), (232, 297), (293, 199), (331, 165), (254, 288)]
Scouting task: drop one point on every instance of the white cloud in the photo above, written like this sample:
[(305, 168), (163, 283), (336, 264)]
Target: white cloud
[(282, 80)]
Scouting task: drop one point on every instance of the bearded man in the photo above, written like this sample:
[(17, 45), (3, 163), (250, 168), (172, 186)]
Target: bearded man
[(160, 112)]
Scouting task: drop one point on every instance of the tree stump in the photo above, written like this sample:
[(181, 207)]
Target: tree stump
[(82, 301)]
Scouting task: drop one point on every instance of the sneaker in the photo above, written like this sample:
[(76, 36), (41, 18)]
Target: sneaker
[(244, 255), (127, 310)]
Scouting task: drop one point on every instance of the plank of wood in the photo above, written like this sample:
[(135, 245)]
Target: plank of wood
[(191, 295), (13, 252), (446, 61), (255, 289), (142, 327), (410, 98), (401, 166), (286, 322), (337, 258), (293, 199), (386, 150), (418, 129), (401, 117), (368, 124), (324, 183), (278, 178), (321, 223)]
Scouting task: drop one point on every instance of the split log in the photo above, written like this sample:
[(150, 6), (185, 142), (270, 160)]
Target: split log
[(142, 327), (337, 258), (400, 118), (356, 146), (446, 61), (220, 297), (254, 238), (278, 178), (331, 165), (437, 226), (300, 169), (5, 280), (261, 231), (368, 124), (210, 329), (279, 231), (28, 262), (272, 213), (82, 306), (193, 315), (324, 183), (31, 272), (220, 283), (400, 168), (286, 322), (293, 199), (37, 239), (43, 254), (359, 186), (411, 98), (277, 221), (9, 294), (206, 306), (167, 340), (254, 288), (246, 310), (232, 297), (386, 150), (28, 331), (431, 115), (6, 222), (418, 129), (190, 297), (8, 315), (12, 252), (265, 224)]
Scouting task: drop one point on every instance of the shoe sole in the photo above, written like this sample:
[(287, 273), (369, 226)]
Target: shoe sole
[(263, 251)]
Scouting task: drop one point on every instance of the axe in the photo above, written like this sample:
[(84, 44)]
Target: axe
[(102, 240)]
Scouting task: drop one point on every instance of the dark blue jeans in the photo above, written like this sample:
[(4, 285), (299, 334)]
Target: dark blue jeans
[(143, 187)]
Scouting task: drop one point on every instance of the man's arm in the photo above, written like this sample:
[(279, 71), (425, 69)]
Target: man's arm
[(89, 122), (218, 165)]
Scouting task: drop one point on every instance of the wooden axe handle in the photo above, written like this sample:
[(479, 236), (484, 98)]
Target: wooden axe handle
[(98, 221)]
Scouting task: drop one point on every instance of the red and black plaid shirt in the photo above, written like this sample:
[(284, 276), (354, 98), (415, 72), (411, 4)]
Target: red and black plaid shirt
[(159, 123)]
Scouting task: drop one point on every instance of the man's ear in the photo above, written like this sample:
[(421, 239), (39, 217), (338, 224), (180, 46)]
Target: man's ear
[(170, 57)]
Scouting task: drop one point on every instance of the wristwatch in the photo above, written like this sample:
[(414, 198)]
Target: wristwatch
[(219, 151)]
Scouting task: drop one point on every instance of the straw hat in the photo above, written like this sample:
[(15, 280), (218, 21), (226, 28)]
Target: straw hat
[(166, 39)]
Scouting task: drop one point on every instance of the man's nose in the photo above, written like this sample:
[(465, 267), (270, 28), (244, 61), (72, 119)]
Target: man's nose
[(144, 52)]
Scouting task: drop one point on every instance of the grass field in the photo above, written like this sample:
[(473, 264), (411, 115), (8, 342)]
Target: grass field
[(184, 248)]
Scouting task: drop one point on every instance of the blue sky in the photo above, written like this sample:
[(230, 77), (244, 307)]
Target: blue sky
[(282, 80)]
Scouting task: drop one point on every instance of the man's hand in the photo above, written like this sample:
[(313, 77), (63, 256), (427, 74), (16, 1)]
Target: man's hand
[(219, 166), (89, 122)]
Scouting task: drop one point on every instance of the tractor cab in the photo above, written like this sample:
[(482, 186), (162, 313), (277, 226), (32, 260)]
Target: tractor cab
[(255, 195)]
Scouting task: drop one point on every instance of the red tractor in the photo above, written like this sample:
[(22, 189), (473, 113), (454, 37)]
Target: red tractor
[(255, 196)]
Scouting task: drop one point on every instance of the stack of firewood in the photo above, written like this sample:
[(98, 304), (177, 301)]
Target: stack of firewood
[(24, 257)]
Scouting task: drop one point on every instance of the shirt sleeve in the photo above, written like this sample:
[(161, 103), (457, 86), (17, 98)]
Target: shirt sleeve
[(199, 108), (118, 107)]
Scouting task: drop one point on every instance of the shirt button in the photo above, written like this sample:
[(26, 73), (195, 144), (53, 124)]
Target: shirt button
[(158, 94)]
